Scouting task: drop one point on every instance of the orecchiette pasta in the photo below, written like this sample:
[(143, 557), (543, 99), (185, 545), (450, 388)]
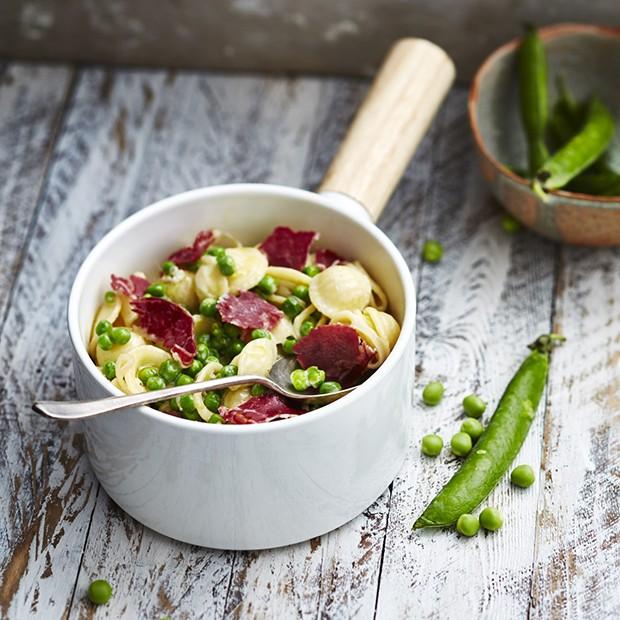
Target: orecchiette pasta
[(223, 309), (111, 355), (338, 288), (256, 358), (209, 371), (130, 362), (210, 282), (251, 265)]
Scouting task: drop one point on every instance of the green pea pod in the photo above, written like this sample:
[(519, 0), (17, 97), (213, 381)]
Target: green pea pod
[(606, 183), (532, 66), (567, 115), (579, 153), (498, 445)]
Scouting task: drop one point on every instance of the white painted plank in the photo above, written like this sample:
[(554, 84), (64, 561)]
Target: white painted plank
[(577, 563), (31, 99), (478, 308)]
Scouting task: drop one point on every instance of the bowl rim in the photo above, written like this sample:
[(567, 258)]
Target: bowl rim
[(176, 201), (546, 33)]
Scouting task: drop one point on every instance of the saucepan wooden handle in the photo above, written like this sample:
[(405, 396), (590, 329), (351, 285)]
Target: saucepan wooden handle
[(397, 111)]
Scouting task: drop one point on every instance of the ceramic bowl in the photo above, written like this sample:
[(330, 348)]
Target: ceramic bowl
[(589, 59), (263, 485)]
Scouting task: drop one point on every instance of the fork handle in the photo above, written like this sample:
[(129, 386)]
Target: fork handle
[(81, 409)]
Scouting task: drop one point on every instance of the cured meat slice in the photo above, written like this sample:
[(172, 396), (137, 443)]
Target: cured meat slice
[(288, 248), (192, 253), (259, 409), (248, 310), (336, 349), (133, 286), (169, 325), (325, 258)]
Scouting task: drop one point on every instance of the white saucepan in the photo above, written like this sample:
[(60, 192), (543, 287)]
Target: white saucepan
[(266, 485)]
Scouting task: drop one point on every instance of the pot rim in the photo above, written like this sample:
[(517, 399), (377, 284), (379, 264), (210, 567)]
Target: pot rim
[(173, 202)]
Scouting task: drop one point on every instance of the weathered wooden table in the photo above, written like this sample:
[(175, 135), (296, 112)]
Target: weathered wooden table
[(82, 149)]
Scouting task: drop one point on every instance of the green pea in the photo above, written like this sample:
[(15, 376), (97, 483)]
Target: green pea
[(103, 327), (472, 427), (157, 289), (194, 368), (311, 270), (212, 358), (292, 306), (431, 445), (174, 404), (474, 406), (467, 525), (202, 352), (105, 342), (169, 268), (99, 592), (212, 400), (235, 347), (432, 251), (208, 307), (109, 297), (203, 339), (302, 291), (220, 341), (260, 333), (170, 370), (230, 370), (120, 335), (188, 408), (183, 379), (491, 519), (510, 225), (216, 250), (316, 376), (216, 329), (155, 383), (522, 476), (288, 344), (268, 285), (257, 390), (231, 330), (109, 370), (461, 444), (330, 386), (433, 393), (307, 327), (226, 265), (144, 374), (299, 379), (216, 418)]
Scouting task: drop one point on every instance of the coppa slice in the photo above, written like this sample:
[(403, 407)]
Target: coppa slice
[(248, 311), (336, 349), (259, 409), (288, 248), (326, 258), (192, 253), (168, 324), (133, 286)]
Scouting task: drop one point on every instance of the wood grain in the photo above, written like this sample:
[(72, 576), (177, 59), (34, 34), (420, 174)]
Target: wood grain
[(577, 559), (478, 308), (128, 138), (31, 101)]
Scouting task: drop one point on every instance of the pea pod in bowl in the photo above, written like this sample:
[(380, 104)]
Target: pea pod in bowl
[(498, 445)]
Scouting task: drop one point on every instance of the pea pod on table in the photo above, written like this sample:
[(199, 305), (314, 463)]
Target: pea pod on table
[(498, 445), (579, 152)]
